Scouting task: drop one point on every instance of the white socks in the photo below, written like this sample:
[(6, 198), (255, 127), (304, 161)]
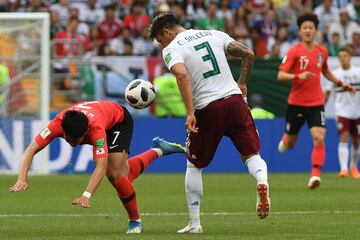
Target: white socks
[(354, 156), (343, 154), (257, 168), (194, 192)]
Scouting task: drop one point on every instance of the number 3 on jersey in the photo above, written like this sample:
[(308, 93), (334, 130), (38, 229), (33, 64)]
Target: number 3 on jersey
[(210, 56)]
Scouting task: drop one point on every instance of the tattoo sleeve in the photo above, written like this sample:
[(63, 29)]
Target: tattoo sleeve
[(247, 56)]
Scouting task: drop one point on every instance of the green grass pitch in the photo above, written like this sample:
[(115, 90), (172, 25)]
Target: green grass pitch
[(44, 211)]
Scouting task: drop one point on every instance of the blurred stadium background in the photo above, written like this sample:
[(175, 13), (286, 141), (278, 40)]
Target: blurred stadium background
[(58, 52)]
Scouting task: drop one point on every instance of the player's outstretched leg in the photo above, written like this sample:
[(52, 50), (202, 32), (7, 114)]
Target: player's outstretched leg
[(160, 147)]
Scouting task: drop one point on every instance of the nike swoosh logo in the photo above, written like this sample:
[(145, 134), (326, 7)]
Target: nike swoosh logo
[(112, 147)]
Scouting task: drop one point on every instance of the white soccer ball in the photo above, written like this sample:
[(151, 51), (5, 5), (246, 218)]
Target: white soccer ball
[(140, 93)]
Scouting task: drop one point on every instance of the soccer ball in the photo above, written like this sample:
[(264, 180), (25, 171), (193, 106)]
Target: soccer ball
[(140, 93)]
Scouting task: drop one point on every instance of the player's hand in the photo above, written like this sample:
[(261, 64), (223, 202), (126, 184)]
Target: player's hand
[(305, 75), (191, 123), (18, 186), (83, 201)]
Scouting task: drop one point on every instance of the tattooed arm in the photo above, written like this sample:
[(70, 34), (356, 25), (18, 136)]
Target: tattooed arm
[(247, 56)]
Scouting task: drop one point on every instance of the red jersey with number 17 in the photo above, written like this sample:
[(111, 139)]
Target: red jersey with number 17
[(102, 116), (299, 59)]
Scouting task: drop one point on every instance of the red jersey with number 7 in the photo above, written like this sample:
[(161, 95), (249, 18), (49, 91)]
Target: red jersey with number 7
[(102, 116), (299, 59)]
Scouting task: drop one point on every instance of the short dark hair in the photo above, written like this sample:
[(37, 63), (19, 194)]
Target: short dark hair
[(74, 123), (344, 49), (308, 17), (161, 21)]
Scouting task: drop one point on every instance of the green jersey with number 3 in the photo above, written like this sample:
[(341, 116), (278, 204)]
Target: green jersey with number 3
[(204, 54)]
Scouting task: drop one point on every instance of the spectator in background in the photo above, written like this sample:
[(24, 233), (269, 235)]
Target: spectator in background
[(168, 102), (257, 110), (128, 48), (241, 24), (117, 44), (282, 38), (211, 22), (225, 11), (345, 27), (327, 13), (68, 42), (92, 42), (111, 26), (195, 9), (274, 52), (354, 46), (268, 28), (184, 20), (353, 9), (83, 28), (91, 14), (287, 16), (62, 8), (142, 45), (136, 19), (257, 44), (334, 45), (55, 25), (35, 6)]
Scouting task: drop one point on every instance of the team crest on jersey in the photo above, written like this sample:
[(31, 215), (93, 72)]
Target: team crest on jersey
[(45, 133), (320, 60)]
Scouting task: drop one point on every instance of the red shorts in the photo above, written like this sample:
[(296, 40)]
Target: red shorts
[(229, 117), (348, 125)]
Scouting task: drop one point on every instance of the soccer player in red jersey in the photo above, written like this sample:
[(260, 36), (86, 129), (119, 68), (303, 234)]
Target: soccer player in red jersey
[(304, 64), (108, 127)]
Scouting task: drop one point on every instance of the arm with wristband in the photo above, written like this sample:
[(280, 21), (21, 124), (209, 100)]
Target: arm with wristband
[(94, 182), (330, 76)]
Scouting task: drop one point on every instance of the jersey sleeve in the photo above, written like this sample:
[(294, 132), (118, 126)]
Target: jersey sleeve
[(99, 143), (224, 38), (172, 56), (288, 61), (52, 131)]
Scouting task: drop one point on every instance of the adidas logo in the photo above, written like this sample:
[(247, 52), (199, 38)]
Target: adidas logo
[(196, 203), (193, 156)]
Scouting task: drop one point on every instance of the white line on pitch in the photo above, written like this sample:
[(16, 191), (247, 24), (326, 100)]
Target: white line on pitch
[(177, 214)]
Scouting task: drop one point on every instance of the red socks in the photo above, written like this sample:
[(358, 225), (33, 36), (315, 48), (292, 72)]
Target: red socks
[(140, 162), (124, 187), (317, 159)]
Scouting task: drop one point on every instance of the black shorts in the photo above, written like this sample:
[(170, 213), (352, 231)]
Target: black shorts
[(296, 116), (119, 136)]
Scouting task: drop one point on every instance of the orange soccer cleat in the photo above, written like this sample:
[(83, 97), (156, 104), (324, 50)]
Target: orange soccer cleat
[(344, 173), (354, 172)]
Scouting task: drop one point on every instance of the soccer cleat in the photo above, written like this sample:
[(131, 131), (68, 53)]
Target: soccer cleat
[(314, 182), (262, 200), (135, 227), (344, 173), (355, 173), (191, 229), (167, 147)]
